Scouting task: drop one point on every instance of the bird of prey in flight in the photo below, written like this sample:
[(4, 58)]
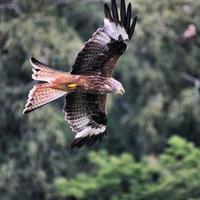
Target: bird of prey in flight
[(86, 86)]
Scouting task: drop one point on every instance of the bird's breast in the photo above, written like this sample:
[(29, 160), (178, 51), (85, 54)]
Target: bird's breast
[(94, 85)]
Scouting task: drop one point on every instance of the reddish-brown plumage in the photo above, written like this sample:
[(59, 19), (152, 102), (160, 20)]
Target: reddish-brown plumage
[(109, 66), (86, 86), (60, 83)]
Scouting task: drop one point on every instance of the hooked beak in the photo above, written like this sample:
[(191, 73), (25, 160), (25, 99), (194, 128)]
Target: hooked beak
[(122, 91)]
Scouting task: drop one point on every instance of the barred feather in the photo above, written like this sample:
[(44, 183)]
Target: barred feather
[(86, 116), (40, 95), (43, 73), (107, 42)]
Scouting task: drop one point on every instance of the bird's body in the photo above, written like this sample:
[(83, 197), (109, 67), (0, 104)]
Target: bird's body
[(89, 84), (68, 83), (90, 80)]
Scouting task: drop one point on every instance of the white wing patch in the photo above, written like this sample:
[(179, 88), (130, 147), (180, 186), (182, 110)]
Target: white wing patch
[(100, 37), (83, 127), (90, 131), (114, 31)]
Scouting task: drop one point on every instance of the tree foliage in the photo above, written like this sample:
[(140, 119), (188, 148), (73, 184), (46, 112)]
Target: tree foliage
[(171, 175)]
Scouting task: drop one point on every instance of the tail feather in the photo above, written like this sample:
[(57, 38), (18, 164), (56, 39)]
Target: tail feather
[(40, 95), (43, 73), (57, 84)]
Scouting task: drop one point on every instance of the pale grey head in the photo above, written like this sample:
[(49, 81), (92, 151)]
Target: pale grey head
[(117, 87)]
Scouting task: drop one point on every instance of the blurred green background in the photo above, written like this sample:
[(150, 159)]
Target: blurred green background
[(153, 146)]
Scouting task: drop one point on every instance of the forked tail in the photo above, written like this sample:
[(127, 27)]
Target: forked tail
[(40, 95), (57, 84), (43, 73)]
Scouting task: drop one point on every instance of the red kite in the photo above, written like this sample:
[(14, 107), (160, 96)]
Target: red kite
[(86, 86)]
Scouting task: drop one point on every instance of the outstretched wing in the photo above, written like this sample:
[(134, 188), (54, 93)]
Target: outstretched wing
[(85, 113), (86, 116), (101, 52)]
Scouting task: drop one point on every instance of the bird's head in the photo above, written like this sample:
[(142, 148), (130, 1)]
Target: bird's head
[(117, 87)]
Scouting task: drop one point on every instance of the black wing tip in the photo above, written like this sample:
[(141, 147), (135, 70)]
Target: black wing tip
[(107, 12), (128, 18), (88, 141), (106, 8), (135, 18), (132, 28), (125, 14), (115, 11)]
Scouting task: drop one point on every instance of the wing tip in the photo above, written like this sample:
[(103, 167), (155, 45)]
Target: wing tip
[(132, 28), (107, 12), (125, 14), (87, 141), (115, 11)]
